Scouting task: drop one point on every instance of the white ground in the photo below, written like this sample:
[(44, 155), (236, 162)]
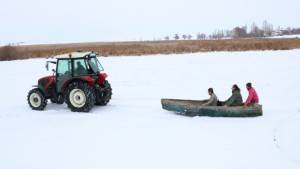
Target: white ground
[(133, 132), (285, 36)]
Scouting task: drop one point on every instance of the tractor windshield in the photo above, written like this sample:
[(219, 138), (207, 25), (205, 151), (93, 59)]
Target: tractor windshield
[(95, 64)]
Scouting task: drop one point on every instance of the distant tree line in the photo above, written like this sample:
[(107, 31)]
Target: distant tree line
[(254, 31)]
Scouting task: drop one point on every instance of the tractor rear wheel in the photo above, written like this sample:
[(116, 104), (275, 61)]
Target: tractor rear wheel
[(80, 97), (36, 99), (103, 97)]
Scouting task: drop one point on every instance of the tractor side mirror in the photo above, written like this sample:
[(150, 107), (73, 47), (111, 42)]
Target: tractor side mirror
[(47, 66)]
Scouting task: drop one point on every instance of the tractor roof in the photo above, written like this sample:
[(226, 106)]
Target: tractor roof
[(73, 55)]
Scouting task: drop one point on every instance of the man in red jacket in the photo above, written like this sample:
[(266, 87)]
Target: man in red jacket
[(253, 97)]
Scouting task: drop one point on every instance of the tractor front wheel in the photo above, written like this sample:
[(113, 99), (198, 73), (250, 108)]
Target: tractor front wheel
[(80, 97), (36, 99)]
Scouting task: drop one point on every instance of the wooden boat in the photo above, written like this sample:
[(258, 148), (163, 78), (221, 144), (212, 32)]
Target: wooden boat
[(195, 108)]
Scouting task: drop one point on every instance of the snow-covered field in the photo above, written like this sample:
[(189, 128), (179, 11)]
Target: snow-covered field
[(285, 36), (133, 132)]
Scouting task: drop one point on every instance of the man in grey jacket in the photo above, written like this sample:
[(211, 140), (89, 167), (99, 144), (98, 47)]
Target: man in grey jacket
[(213, 100)]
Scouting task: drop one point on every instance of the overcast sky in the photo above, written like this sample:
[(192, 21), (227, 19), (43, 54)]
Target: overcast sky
[(51, 21)]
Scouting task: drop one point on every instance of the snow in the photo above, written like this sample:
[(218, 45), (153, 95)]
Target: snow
[(285, 36), (134, 132)]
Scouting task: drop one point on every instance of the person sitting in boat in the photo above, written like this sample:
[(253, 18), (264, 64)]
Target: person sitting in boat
[(252, 97), (213, 100), (236, 98)]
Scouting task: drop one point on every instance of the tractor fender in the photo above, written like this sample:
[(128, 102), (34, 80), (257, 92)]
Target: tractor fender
[(85, 79), (41, 89)]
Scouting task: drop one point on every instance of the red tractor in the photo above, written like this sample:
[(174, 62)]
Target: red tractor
[(78, 81)]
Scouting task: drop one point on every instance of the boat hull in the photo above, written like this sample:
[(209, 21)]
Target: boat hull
[(195, 108)]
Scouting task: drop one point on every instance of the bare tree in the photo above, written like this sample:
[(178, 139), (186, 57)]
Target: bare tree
[(184, 37), (239, 32), (267, 28), (255, 31), (201, 36), (228, 34), (167, 38), (176, 37), (217, 34)]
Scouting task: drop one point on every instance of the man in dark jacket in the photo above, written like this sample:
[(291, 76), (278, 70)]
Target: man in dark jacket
[(236, 98)]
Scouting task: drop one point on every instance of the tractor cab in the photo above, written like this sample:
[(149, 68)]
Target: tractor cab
[(77, 65)]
